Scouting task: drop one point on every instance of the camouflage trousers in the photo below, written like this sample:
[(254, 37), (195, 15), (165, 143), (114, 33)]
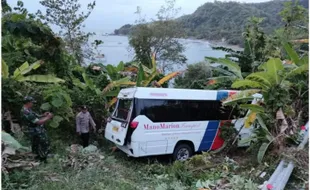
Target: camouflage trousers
[(40, 143)]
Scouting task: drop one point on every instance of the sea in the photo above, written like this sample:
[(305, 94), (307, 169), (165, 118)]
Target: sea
[(116, 49)]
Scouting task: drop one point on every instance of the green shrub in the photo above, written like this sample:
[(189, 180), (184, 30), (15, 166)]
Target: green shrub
[(155, 168), (12, 96), (199, 160), (180, 172), (58, 101)]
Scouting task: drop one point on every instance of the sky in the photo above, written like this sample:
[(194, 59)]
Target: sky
[(112, 14)]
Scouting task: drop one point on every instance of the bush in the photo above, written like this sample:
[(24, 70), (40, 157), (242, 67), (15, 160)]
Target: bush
[(195, 77), (94, 102), (12, 96), (57, 100), (13, 93), (180, 172), (100, 79)]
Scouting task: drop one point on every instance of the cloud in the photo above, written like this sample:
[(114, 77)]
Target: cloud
[(109, 15)]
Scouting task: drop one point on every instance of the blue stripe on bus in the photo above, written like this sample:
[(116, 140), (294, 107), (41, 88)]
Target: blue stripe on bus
[(209, 136), (221, 95)]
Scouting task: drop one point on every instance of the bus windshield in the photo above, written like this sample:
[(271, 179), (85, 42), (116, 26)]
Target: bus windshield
[(122, 109)]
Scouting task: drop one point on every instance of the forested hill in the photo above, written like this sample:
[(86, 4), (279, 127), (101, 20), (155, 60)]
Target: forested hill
[(226, 20)]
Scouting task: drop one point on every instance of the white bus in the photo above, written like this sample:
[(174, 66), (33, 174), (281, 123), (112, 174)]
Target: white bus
[(158, 121)]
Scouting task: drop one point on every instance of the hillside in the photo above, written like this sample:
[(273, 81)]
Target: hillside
[(225, 20)]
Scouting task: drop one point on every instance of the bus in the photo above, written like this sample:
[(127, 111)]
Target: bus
[(179, 122)]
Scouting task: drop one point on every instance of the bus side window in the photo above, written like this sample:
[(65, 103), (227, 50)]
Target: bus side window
[(152, 109), (207, 110), (185, 110)]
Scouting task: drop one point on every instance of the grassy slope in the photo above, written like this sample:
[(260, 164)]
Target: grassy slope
[(112, 171), (117, 171)]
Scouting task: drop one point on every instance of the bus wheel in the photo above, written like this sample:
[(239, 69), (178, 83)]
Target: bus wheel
[(182, 152)]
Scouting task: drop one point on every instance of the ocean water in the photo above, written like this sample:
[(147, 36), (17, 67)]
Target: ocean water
[(116, 49)]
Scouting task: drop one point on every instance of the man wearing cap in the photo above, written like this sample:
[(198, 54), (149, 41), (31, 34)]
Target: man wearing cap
[(35, 122), (83, 119)]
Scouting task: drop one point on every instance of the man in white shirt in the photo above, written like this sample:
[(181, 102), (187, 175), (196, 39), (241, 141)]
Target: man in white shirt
[(83, 119)]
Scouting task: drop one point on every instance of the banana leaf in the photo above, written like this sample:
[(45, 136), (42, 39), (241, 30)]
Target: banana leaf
[(140, 76), (41, 78), (253, 107), (5, 69), (292, 53), (168, 77)]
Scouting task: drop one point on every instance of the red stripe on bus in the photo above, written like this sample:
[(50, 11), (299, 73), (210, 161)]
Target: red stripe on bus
[(218, 141)]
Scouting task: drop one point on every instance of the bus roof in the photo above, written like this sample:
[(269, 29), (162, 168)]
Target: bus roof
[(174, 93)]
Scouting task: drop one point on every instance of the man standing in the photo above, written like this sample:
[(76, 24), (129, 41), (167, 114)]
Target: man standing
[(35, 122), (83, 119)]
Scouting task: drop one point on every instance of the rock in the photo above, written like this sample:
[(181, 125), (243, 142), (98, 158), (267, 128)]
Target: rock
[(101, 157), (90, 149), (75, 148), (9, 151), (10, 141)]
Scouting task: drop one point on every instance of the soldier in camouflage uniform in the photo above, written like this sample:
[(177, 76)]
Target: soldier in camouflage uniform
[(35, 122)]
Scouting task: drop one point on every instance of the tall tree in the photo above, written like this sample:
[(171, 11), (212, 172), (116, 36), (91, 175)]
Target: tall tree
[(68, 15), (158, 37), (295, 18)]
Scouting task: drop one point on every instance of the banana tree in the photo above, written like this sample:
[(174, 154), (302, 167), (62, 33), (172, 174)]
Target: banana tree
[(116, 79), (134, 68), (233, 71), (116, 82), (273, 82), (114, 71), (143, 79), (145, 75), (21, 72)]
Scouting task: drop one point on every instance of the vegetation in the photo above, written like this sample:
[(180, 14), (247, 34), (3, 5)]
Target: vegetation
[(20, 72), (102, 170), (273, 64), (277, 103), (259, 69), (204, 22), (195, 76), (159, 38), (68, 17), (27, 40)]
